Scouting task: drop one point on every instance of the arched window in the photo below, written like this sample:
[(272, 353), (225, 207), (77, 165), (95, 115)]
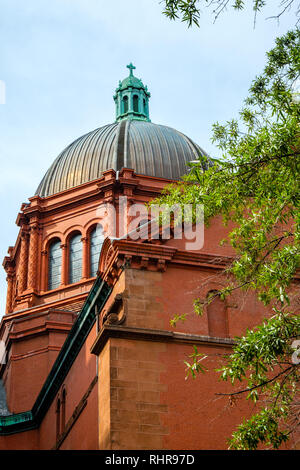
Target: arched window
[(75, 259), (95, 248), (54, 265), (144, 103), (217, 316), (135, 103), (125, 104)]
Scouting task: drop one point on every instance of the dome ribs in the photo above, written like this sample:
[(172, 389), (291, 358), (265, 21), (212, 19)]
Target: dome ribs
[(148, 148), (120, 145)]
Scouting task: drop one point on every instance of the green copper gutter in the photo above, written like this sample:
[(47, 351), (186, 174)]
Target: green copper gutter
[(28, 420)]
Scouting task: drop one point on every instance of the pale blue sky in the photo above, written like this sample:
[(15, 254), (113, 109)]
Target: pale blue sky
[(61, 62)]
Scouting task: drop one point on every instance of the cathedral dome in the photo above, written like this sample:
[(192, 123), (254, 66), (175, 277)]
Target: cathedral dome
[(131, 142)]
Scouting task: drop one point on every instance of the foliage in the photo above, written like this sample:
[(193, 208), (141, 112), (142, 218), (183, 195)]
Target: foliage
[(195, 366), (255, 185), (189, 11)]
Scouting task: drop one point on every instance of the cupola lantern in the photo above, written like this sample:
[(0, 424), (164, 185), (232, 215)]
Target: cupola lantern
[(132, 98)]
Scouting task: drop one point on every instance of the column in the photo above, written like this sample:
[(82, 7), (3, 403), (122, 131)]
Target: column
[(85, 258), (64, 265), (23, 267), (9, 295), (44, 271), (33, 256), (130, 103)]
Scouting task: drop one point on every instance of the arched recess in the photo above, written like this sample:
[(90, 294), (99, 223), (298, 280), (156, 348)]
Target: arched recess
[(75, 258), (135, 103), (96, 242), (125, 104), (217, 316), (54, 264)]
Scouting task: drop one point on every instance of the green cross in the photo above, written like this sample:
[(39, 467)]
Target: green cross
[(131, 68)]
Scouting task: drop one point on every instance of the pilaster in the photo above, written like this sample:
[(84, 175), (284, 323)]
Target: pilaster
[(10, 290), (33, 257), (23, 267), (85, 258), (64, 264)]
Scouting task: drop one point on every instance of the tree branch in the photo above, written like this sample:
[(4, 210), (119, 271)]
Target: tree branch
[(258, 386)]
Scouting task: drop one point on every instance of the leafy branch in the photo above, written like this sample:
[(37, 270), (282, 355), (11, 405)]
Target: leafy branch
[(189, 11), (254, 186)]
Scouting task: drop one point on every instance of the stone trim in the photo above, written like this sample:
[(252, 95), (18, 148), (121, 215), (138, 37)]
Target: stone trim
[(147, 334), (149, 256), (56, 304), (17, 357)]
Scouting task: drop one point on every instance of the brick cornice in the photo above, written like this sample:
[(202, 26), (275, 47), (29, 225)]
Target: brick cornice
[(43, 309), (9, 264), (73, 197), (17, 357), (48, 326), (125, 253)]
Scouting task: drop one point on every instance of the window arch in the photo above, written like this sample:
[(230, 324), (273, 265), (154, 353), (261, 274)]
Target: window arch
[(96, 242), (54, 265), (125, 104), (75, 258), (135, 103)]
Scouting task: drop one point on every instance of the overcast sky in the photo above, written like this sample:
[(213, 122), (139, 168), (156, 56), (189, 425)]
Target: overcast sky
[(61, 62)]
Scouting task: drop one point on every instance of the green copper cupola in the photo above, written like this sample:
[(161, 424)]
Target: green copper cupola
[(132, 98)]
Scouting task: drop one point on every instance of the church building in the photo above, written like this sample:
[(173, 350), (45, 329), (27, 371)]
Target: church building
[(91, 360)]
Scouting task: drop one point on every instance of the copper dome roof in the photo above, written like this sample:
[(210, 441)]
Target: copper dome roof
[(148, 148)]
